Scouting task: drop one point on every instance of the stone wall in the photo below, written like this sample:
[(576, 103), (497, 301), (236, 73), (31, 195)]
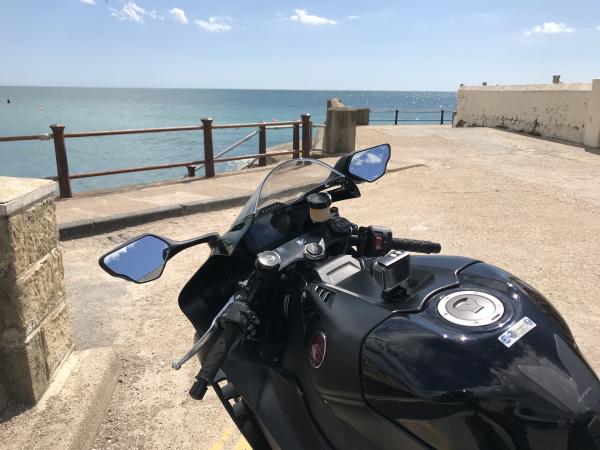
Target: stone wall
[(562, 111), (35, 333)]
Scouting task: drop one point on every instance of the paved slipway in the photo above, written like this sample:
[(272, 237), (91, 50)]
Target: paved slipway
[(528, 205)]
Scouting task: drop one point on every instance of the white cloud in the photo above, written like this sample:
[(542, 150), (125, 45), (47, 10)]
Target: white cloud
[(88, 2), (366, 158), (549, 28), (179, 15), (598, 27), (215, 24), (352, 17), (308, 19), (134, 13)]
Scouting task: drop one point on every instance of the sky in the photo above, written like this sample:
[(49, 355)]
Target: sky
[(351, 44)]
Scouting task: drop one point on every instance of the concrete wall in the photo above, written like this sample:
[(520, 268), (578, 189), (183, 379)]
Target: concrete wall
[(340, 132), (35, 331), (340, 129), (563, 111)]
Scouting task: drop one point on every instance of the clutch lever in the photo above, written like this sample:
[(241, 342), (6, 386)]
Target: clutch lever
[(210, 333)]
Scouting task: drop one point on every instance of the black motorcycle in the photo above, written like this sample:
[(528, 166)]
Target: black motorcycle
[(317, 333)]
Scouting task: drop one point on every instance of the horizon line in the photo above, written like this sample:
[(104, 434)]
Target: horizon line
[(220, 88)]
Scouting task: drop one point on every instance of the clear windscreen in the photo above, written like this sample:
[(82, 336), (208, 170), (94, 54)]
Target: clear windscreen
[(292, 180), (288, 182)]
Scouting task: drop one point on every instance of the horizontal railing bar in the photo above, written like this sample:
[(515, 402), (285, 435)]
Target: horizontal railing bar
[(281, 126), (36, 137), (133, 169), (319, 125), (258, 156), (405, 111), (171, 165), (134, 131), (257, 124), (407, 120)]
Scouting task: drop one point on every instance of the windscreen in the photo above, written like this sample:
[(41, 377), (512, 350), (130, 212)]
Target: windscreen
[(288, 182), (291, 180)]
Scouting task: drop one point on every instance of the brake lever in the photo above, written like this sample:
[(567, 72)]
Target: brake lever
[(203, 339)]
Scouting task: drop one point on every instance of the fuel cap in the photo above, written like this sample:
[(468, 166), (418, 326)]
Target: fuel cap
[(470, 308)]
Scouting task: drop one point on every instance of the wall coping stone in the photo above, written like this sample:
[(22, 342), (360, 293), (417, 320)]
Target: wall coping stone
[(19, 193), (531, 87)]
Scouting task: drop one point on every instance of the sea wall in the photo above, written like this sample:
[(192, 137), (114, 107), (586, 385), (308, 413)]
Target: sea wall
[(569, 111)]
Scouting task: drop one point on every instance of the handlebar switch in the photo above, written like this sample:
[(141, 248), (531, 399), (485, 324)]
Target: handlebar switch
[(391, 272), (340, 226), (375, 241)]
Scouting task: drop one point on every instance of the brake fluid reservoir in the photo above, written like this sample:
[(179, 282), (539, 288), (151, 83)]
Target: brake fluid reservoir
[(318, 205)]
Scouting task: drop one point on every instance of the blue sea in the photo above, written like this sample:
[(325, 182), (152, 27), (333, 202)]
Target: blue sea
[(33, 109)]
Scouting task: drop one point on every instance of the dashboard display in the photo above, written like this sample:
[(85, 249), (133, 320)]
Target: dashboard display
[(271, 230)]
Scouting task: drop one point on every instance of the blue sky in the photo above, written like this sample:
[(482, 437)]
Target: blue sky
[(392, 45)]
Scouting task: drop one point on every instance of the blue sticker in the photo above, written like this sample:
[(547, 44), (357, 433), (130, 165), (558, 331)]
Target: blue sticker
[(517, 331)]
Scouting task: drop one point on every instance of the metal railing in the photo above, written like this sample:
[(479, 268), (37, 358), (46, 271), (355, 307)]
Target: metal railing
[(398, 115), (64, 177)]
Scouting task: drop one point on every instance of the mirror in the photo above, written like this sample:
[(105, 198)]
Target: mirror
[(140, 260), (370, 164)]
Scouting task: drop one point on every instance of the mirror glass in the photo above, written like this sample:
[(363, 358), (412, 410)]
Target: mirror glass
[(141, 260), (370, 164)]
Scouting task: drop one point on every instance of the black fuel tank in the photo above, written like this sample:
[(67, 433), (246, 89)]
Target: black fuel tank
[(514, 380)]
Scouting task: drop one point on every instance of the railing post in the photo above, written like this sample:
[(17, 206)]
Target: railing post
[(306, 135), (262, 145), (296, 140), (442, 118), (209, 161), (396, 119), (62, 165)]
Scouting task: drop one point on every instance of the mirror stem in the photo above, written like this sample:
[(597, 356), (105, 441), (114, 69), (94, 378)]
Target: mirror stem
[(177, 246)]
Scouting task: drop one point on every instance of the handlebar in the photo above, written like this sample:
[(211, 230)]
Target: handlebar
[(413, 245), (378, 241)]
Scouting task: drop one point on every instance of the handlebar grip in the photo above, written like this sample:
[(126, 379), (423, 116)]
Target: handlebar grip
[(214, 361), (412, 245), (218, 353)]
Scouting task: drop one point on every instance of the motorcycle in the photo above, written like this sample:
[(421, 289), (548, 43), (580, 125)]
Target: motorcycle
[(317, 333)]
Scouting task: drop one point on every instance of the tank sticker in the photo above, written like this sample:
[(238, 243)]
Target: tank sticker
[(517, 331)]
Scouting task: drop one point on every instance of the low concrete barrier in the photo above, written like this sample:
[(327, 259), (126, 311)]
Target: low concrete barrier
[(340, 132), (35, 331), (362, 116), (563, 111)]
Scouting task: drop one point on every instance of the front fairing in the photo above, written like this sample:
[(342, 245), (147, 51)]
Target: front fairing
[(277, 209)]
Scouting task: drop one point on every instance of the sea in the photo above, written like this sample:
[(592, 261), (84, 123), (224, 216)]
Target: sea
[(33, 109)]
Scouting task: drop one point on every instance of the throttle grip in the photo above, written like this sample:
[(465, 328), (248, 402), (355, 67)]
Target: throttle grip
[(413, 245), (214, 361)]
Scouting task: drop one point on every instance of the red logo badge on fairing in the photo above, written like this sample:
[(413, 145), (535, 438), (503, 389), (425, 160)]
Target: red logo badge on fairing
[(318, 348)]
